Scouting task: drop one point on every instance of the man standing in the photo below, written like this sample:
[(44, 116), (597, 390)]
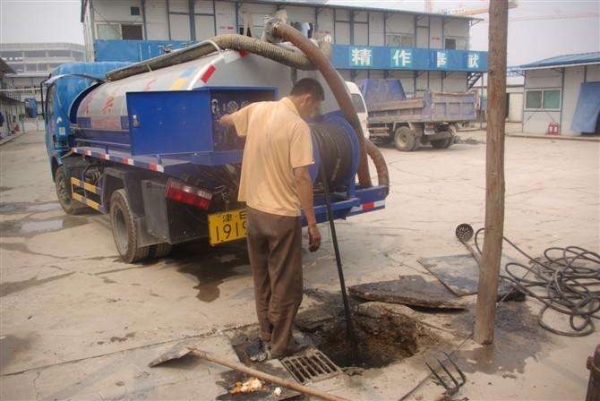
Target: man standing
[(275, 184)]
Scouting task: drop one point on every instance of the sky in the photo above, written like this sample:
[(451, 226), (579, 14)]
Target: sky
[(532, 35)]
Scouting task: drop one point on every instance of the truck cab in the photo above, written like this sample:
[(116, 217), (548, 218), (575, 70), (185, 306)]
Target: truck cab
[(359, 106)]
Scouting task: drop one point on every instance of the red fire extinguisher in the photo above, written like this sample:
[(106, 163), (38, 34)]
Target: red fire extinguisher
[(553, 129)]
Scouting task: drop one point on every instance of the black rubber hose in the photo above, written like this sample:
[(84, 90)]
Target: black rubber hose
[(336, 152), (268, 50), (562, 283), (337, 86)]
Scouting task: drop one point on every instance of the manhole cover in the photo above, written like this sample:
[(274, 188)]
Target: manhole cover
[(312, 366)]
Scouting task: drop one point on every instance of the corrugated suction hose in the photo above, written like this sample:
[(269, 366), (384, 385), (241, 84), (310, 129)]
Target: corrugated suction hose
[(335, 149), (268, 50)]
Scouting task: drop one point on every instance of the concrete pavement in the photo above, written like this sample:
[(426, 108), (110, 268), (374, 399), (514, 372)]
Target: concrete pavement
[(78, 323)]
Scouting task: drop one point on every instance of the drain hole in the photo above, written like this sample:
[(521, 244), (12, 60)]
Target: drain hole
[(384, 333)]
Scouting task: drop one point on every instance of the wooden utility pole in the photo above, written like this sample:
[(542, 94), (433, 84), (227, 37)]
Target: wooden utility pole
[(494, 193)]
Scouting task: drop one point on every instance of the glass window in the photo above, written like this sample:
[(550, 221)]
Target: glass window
[(132, 32), (109, 32), (533, 100), (135, 11), (12, 55), (31, 67), (35, 53), (552, 99), (359, 105), (59, 53), (450, 43), (399, 40)]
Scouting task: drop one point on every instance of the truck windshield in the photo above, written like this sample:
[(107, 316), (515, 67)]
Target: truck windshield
[(359, 105)]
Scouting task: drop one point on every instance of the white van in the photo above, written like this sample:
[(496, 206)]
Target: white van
[(360, 106)]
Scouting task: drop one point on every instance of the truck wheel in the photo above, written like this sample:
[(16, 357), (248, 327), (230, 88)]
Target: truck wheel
[(160, 250), (404, 139), (63, 193), (124, 229), (442, 143)]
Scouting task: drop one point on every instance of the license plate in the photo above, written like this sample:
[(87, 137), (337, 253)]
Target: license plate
[(227, 226)]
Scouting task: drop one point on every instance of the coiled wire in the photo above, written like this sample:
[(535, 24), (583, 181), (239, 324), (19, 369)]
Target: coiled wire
[(566, 280)]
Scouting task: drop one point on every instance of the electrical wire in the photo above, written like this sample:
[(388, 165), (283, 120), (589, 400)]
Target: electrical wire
[(566, 280)]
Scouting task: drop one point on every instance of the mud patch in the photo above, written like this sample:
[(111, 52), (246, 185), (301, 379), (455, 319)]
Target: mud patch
[(4, 189), (122, 339), (385, 334)]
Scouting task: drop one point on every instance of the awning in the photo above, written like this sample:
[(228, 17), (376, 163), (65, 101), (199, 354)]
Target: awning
[(588, 108)]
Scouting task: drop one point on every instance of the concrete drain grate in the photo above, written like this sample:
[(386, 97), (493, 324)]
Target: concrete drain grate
[(312, 365)]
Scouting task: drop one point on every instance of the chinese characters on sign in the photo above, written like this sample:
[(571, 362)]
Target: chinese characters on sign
[(360, 57), (442, 60), (402, 58), (473, 61)]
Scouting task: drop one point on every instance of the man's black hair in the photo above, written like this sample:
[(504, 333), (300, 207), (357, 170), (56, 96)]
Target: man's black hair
[(308, 86)]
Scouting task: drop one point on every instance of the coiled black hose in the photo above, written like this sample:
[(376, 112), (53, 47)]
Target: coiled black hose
[(566, 280), (336, 153)]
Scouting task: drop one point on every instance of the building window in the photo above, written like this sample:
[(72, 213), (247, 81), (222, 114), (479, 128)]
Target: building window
[(35, 54), (552, 99), (135, 11), (109, 31), (59, 53), (132, 32), (399, 40), (548, 99), (450, 43)]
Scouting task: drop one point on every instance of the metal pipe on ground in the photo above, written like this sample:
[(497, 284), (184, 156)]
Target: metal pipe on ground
[(180, 352)]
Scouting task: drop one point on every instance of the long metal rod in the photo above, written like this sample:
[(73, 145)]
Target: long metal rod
[(267, 377), (338, 259)]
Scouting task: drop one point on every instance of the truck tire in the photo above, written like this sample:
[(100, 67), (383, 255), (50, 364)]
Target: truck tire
[(160, 250), (63, 193), (443, 143), (124, 229), (404, 139)]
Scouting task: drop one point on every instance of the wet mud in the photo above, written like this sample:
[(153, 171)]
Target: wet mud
[(12, 287)]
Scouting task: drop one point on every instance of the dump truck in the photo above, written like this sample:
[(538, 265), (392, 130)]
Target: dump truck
[(142, 143), (432, 118)]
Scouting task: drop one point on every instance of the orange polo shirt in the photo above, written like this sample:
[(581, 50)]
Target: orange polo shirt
[(278, 140)]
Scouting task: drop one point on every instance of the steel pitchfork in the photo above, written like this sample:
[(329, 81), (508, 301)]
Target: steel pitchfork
[(456, 380)]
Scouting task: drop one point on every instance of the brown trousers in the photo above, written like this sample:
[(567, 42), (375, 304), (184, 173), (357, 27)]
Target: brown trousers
[(274, 247)]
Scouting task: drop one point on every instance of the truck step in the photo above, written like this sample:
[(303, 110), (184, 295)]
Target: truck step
[(81, 191)]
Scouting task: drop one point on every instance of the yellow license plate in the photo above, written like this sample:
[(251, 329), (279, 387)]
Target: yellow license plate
[(227, 226)]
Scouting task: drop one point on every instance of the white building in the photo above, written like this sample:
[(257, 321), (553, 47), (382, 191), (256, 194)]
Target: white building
[(426, 51), (32, 63), (563, 90)]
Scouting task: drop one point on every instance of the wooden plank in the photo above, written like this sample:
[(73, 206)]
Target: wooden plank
[(495, 188)]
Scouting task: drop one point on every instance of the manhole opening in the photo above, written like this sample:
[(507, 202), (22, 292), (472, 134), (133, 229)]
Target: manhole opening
[(312, 365), (382, 340)]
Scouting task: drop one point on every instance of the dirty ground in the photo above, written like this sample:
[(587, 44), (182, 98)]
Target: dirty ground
[(76, 323)]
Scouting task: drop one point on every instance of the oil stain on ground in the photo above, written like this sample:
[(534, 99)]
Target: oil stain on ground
[(10, 347), (518, 337), (24, 207), (31, 228), (11, 287), (210, 266)]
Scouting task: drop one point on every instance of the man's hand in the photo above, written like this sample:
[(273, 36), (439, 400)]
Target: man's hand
[(314, 238), (226, 121)]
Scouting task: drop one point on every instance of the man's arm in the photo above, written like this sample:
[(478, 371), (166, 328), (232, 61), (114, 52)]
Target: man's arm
[(304, 186)]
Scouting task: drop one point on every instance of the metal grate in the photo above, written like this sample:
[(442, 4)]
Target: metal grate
[(312, 366)]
